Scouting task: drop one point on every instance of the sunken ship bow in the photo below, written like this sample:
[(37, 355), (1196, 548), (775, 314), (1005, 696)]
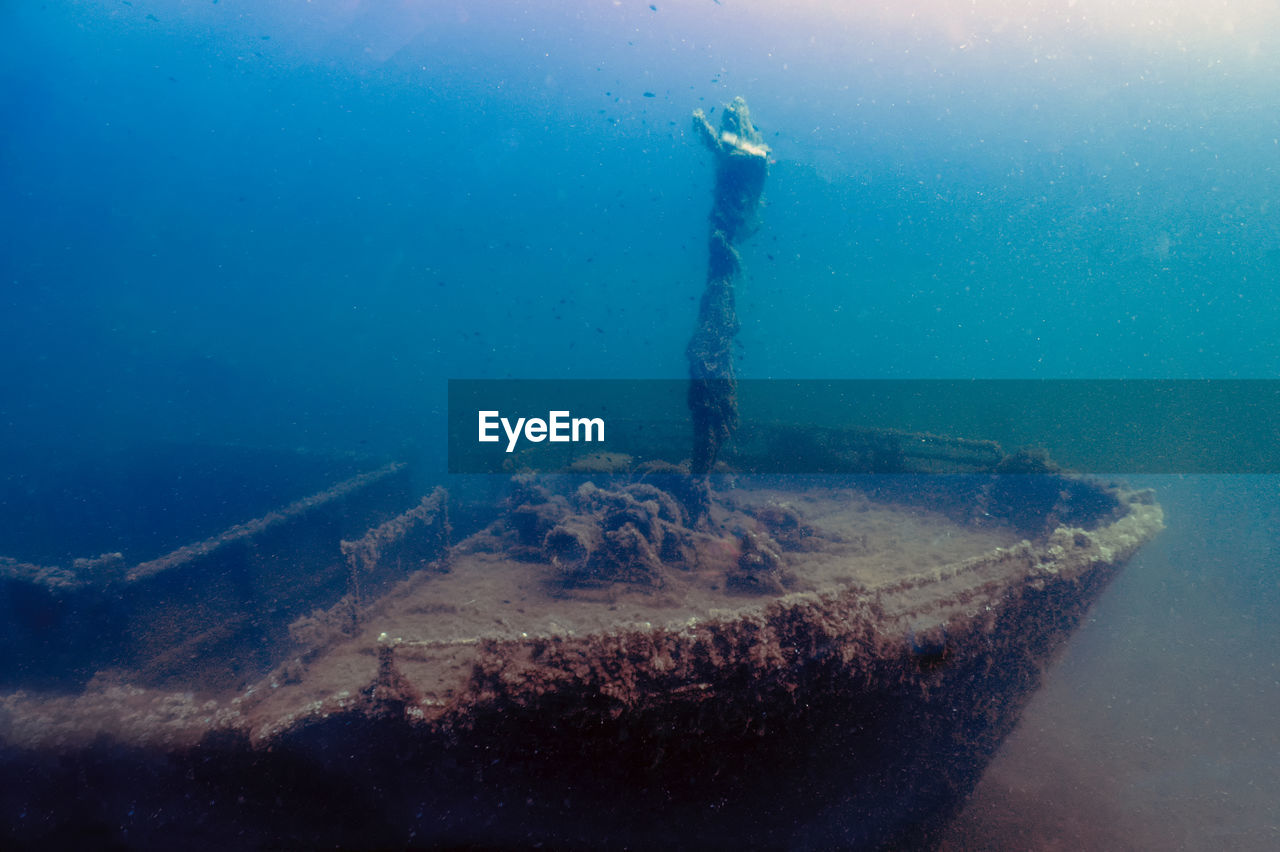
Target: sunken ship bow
[(629, 654), (818, 663)]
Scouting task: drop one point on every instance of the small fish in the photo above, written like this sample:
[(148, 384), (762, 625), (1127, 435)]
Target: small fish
[(650, 95)]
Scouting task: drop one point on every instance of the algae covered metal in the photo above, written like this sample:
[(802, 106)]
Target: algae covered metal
[(742, 163), (829, 661)]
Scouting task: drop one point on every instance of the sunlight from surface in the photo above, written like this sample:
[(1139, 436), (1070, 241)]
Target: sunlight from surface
[(1237, 26)]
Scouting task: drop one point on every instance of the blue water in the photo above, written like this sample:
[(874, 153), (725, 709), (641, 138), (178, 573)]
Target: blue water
[(282, 224)]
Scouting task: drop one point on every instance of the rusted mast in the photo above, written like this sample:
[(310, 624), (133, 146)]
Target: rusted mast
[(742, 162)]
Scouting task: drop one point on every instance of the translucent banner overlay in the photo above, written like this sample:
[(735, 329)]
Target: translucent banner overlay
[(1209, 426)]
